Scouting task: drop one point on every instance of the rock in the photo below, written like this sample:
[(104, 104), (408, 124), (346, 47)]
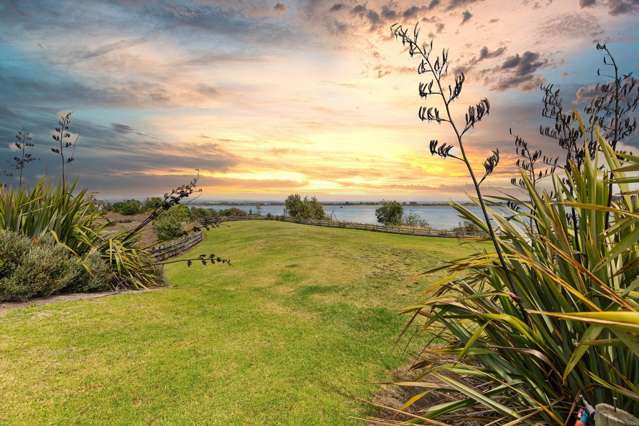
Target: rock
[(607, 415)]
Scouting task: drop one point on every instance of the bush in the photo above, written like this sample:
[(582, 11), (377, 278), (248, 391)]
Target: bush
[(42, 267), (13, 248), (306, 208), (390, 213), (170, 223), (151, 203), (127, 207), (233, 211), (98, 275), (168, 227), (202, 214), (413, 219)]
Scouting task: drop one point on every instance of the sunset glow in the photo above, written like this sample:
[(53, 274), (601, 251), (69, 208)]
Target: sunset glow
[(266, 98)]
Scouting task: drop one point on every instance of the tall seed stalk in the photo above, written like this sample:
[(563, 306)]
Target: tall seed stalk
[(439, 69), (23, 142), (62, 136)]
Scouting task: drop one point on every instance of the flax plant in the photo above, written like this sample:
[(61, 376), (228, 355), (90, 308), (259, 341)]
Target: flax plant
[(73, 220), (549, 319)]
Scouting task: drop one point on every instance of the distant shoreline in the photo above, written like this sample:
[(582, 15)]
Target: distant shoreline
[(327, 203)]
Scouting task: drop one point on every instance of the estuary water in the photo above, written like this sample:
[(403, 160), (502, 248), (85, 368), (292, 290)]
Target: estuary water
[(438, 217)]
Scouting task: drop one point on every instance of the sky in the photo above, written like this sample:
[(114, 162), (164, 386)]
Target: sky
[(268, 98)]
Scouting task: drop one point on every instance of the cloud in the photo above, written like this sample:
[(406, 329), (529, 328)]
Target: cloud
[(382, 70), (279, 7), (466, 15), (615, 7), (389, 13), (455, 4), (364, 12), (484, 54), (571, 25), (620, 7), (122, 128), (413, 10), (520, 71), (110, 47)]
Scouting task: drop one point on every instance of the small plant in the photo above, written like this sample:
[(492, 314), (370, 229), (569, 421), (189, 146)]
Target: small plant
[(64, 141), (390, 213), (22, 143)]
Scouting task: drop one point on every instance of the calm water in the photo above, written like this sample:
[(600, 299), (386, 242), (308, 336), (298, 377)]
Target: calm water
[(439, 217)]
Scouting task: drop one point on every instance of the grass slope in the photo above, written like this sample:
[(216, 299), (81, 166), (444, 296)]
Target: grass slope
[(303, 318)]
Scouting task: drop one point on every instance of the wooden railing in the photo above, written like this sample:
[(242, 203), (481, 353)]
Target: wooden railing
[(176, 247), (402, 229)]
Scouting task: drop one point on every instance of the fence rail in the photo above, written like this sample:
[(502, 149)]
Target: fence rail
[(176, 247), (403, 229)]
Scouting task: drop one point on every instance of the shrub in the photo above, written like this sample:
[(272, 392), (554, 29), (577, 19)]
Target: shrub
[(306, 208), (170, 223), (42, 267), (413, 219), (203, 214), (168, 227), (13, 248), (127, 207), (97, 275), (151, 203), (233, 211), (390, 213)]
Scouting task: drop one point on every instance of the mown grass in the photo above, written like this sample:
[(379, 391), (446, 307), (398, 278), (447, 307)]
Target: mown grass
[(301, 323)]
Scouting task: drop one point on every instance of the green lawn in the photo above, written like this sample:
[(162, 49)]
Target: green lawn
[(305, 317)]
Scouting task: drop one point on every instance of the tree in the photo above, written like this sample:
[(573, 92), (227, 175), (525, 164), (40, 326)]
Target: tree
[(306, 208), (390, 213)]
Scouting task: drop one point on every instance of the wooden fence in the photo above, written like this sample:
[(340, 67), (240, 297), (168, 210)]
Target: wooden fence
[(402, 229), (175, 247)]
